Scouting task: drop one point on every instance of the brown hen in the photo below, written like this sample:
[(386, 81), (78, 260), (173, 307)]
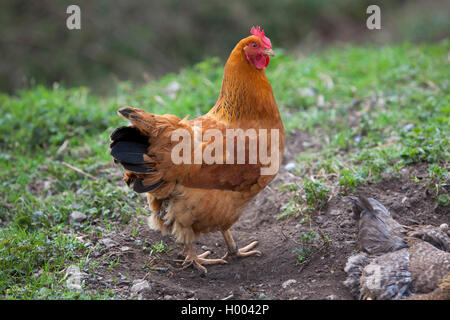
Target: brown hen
[(191, 197)]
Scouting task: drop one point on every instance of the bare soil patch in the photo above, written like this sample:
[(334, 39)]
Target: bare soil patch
[(265, 277)]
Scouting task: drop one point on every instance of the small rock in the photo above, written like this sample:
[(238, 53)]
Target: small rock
[(332, 297), (290, 166), (77, 217), (73, 276), (125, 249), (74, 286), (335, 212), (139, 286), (288, 283), (108, 243), (320, 101), (205, 248), (172, 89), (307, 92), (444, 227), (262, 296), (326, 224), (346, 223), (168, 297)]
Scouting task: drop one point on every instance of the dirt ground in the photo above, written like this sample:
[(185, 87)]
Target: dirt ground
[(264, 277)]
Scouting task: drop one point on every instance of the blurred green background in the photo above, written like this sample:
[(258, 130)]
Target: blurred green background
[(139, 40)]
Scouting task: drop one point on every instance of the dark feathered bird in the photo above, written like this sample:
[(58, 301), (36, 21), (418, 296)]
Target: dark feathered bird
[(442, 292), (396, 261), (378, 231)]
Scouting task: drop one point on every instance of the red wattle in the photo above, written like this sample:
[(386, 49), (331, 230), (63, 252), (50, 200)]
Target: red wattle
[(260, 61)]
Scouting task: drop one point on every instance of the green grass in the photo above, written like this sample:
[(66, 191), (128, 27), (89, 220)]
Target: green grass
[(371, 110), (311, 243)]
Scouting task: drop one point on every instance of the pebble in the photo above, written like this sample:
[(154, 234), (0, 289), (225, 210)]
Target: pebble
[(77, 216), (290, 166), (108, 243), (74, 286), (444, 227), (172, 89), (408, 127), (125, 249), (307, 92), (346, 223), (139, 286), (205, 248), (326, 224), (332, 297), (73, 276), (288, 283), (320, 101), (335, 212)]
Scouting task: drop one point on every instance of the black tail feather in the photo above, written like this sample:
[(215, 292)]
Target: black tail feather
[(128, 134), (129, 152), (140, 188), (137, 168), (128, 147)]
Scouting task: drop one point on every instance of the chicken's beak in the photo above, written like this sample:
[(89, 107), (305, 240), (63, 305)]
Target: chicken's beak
[(269, 52)]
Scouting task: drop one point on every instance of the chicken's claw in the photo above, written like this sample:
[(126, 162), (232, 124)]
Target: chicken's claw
[(199, 261), (244, 252)]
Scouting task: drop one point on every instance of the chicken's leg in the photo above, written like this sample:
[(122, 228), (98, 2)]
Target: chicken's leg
[(198, 261), (234, 251)]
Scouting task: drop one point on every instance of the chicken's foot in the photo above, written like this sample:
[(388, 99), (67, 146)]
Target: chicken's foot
[(198, 260), (234, 251)]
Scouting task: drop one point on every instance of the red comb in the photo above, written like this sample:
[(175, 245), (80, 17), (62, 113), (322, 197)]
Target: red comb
[(260, 34)]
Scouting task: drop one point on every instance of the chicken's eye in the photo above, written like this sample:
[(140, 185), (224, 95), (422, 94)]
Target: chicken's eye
[(254, 45)]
